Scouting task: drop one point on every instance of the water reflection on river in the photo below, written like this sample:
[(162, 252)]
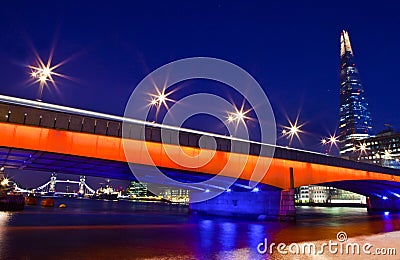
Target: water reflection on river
[(128, 230)]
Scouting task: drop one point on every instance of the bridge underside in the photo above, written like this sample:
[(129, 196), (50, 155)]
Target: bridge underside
[(68, 164), (61, 163), (240, 202)]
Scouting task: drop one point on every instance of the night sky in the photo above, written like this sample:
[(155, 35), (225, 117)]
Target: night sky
[(292, 50)]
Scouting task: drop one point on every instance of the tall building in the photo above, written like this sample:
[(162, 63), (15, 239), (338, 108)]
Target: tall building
[(355, 119)]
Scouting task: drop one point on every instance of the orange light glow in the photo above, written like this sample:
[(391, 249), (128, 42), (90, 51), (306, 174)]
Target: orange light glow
[(111, 148)]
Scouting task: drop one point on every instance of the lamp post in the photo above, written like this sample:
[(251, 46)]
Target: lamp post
[(239, 116), (291, 131), (160, 99), (44, 74)]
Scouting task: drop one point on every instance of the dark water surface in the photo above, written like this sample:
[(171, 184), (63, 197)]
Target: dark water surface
[(94, 229)]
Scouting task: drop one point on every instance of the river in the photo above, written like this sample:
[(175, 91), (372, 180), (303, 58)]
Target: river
[(96, 229)]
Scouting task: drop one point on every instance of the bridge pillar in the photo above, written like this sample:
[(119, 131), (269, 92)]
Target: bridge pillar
[(247, 204), (381, 205), (287, 210), (272, 204)]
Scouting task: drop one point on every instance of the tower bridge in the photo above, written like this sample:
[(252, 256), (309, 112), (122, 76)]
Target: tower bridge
[(50, 187)]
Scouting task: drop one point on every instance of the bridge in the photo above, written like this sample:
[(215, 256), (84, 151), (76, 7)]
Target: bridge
[(48, 137), (50, 187)]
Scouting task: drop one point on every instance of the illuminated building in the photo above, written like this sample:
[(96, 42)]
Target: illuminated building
[(175, 195), (327, 195), (302, 194), (137, 189), (355, 119), (321, 194), (384, 149)]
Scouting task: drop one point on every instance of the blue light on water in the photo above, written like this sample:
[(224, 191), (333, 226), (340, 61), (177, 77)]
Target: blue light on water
[(228, 235), (256, 189), (396, 194), (255, 234), (207, 234), (386, 213), (384, 198), (228, 190)]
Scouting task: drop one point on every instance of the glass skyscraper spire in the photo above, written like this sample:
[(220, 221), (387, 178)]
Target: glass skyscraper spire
[(355, 119)]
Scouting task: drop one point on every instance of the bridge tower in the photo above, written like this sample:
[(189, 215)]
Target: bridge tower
[(52, 184), (81, 185)]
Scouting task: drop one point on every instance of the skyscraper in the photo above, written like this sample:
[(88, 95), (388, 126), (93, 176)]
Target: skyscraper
[(355, 119)]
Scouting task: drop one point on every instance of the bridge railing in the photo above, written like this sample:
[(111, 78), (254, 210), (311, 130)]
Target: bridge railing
[(58, 120)]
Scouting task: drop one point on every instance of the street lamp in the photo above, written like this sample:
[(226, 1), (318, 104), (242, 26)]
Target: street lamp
[(333, 140), (230, 118), (153, 101), (291, 131), (239, 116), (160, 99), (363, 147), (294, 130), (44, 73), (324, 142)]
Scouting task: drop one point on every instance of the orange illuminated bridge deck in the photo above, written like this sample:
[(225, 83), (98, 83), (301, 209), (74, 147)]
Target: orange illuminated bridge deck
[(39, 136)]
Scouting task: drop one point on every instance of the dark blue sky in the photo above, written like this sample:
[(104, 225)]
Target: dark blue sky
[(292, 50)]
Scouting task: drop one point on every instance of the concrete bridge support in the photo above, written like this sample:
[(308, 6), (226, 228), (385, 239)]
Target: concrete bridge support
[(246, 204), (381, 205), (287, 209), (273, 204)]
